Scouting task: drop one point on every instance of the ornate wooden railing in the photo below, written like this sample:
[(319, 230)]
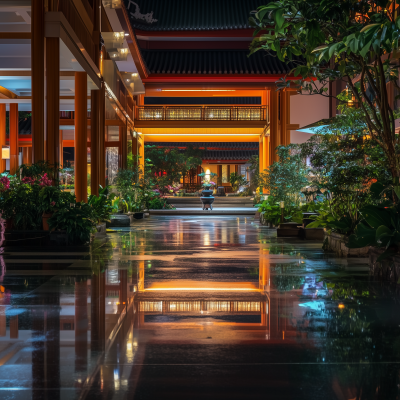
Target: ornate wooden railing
[(202, 113)]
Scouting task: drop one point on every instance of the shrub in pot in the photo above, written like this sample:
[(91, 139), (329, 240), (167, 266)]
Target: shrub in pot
[(78, 222)]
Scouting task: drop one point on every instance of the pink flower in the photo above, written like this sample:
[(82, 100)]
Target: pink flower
[(5, 183), (28, 180), (53, 203), (45, 181)]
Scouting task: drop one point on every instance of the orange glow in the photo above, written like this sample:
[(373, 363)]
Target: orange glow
[(341, 305), (205, 289), (2, 289)]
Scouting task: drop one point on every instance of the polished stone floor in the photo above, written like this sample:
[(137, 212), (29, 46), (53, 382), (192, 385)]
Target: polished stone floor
[(205, 307)]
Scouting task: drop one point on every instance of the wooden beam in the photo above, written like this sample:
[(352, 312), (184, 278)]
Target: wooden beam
[(15, 35), (198, 124), (7, 94)]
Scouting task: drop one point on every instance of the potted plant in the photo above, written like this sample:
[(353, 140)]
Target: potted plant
[(76, 222)]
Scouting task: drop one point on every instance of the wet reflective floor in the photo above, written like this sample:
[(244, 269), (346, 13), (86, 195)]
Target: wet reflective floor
[(194, 308)]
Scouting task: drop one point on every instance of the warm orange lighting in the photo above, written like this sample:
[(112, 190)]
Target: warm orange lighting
[(198, 90), (206, 289), (2, 289), (202, 134), (341, 305)]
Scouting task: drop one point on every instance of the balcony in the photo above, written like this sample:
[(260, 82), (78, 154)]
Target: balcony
[(205, 113)]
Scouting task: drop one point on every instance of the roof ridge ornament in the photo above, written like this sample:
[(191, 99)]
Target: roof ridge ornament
[(148, 18)]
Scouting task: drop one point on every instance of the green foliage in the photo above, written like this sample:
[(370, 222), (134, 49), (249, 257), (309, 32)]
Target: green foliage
[(237, 181), (254, 170), (77, 221), (101, 205), (169, 165), (379, 226), (286, 178), (339, 40), (51, 198), (38, 169)]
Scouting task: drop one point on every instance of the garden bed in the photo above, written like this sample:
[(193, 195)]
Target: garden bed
[(386, 270), (337, 243)]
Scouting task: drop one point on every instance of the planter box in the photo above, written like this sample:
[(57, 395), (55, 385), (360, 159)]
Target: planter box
[(288, 232), (386, 270), (336, 243), (101, 230), (314, 233), (119, 220)]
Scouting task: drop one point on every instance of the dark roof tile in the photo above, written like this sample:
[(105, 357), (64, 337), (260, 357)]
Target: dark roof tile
[(214, 62), (183, 15)]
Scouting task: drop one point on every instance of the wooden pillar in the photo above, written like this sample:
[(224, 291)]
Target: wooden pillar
[(274, 124), (94, 142), (27, 155), (284, 118), (13, 138), (53, 100), (261, 154), (121, 135), (61, 149), (81, 136), (102, 134), (124, 147), (266, 162), (38, 83), (2, 134)]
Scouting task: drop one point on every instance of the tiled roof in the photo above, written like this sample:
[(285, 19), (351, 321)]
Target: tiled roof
[(182, 15), (24, 126), (209, 145), (213, 62)]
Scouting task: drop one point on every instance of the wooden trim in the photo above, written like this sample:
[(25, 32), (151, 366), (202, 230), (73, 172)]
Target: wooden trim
[(7, 94), (198, 124), (15, 35), (132, 42)]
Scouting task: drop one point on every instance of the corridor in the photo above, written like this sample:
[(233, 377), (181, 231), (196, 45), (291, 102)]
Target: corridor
[(204, 307)]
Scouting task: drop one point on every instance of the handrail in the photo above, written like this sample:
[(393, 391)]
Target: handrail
[(202, 113)]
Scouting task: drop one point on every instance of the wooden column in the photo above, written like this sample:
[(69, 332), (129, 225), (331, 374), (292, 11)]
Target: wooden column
[(61, 149), (102, 134), (2, 134), (14, 327), (81, 136), (274, 124), (94, 142), (38, 83), (266, 162), (261, 154), (27, 155), (13, 138), (284, 118), (52, 100), (123, 146)]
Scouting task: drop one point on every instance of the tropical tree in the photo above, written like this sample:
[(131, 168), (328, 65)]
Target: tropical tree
[(285, 179), (354, 41)]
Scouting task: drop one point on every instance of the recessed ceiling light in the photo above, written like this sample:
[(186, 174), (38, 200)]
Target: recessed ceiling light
[(126, 34), (135, 74)]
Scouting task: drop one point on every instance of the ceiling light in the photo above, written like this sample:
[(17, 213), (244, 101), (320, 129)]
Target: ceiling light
[(126, 34), (135, 74)]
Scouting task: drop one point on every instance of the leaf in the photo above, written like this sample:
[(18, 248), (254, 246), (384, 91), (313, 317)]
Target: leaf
[(375, 216), (279, 18), (368, 27)]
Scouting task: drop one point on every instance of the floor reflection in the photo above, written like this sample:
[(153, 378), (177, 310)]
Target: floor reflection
[(195, 308)]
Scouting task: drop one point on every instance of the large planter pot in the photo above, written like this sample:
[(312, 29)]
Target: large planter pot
[(337, 243), (138, 215), (45, 218), (385, 270), (207, 198)]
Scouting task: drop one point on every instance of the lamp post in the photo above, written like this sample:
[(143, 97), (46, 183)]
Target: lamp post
[(282, 208)]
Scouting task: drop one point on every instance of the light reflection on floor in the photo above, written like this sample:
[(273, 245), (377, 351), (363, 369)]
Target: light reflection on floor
[(211, 307)]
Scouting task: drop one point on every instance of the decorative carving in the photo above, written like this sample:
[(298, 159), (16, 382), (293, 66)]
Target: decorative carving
[(148, 18)]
